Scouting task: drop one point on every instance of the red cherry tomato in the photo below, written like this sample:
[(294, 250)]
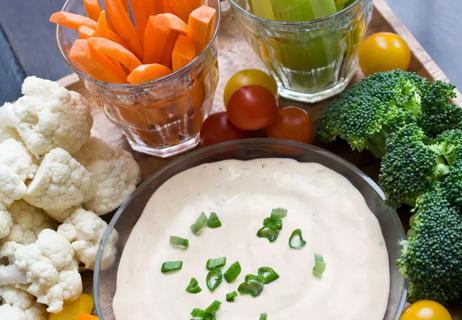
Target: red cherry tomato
[(217, 128), (292, 123), (252, 108)]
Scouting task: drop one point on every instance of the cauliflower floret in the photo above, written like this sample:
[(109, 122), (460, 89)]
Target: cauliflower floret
[(50, 268), (15, 155), (114, 171), (19, 299), (6, 222), (28, 222), (12, 188), (7, 133), (59, 184), (84, 229), (49, 116)]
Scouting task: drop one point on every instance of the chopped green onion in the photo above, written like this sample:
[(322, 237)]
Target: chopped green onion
[(250, 277), (213, 221), (267, 232), (278, 213), (252, 287), (319, 266), (263, 316), (193, 286), (296, 240), (233, 272), (179, 242), (214, 279), (216, 263), (171, 266), (230, 297), (214, 307), (199, 224), (272, 225), (267, 274), (207, 314)]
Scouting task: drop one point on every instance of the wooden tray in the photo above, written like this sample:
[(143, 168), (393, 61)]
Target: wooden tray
[(235, 54)]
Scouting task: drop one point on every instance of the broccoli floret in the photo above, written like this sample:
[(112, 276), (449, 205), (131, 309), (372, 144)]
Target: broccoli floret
[(439, 113), (372, 109), (452, 184), (431, 259)]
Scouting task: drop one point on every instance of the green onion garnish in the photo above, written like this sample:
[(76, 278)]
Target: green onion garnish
[(269, 233), (179, 242), (214, 279), (267, 274), (278, 213), (230, 297), (296, 240), (193, 286), (199, 224), (233, 272), (319, 266), (272, 225), (213, 221), (263, 316), (215, 263), (252, 287), (207, 314), (250, 277), (214, 307), (171, 266)]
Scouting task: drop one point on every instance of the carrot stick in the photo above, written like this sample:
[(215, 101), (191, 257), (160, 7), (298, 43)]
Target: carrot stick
[(163, 6), (95, 64), (160, 36), (115, 51), (71, 20), (200, 26), (92, 8), (142, 10), (86, 316), (103, 29), (183, 53), (148, 72), (183, 8), (121, 22), (86, 32)]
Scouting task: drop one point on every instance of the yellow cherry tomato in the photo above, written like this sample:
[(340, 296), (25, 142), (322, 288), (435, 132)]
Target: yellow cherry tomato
[(426, 310), (383, 51), (73, 309)]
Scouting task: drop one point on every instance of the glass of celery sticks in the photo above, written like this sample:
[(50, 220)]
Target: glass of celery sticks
[(309, 46)]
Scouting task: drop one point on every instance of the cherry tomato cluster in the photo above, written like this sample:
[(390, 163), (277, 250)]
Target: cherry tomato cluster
[(250, 98)]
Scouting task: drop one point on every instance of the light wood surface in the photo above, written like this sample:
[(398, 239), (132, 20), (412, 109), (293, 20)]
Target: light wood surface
[(235, 54)]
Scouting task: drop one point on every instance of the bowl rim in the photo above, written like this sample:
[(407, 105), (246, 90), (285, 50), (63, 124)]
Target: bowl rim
[(223, 146)]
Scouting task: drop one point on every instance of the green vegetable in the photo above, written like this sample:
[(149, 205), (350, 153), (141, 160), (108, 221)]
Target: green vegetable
[(213, 221), (193, 286), (262, 9), (230, 297), (263, 316), (200, 223), (171, 266), (250, 277), (319, 266), (296, 240), (179, 242), (251, 287), (208, 314), (267, 275), (452, 182), (431, 258), (215, 263), (233, 272), (214, 279), (272, 225)]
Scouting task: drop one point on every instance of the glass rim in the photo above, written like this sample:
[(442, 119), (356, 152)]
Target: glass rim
[(313, 23), (140, 87)]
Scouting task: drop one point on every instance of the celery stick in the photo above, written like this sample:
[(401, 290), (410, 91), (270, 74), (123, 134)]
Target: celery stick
[(262, 8), (293, 10), (323, 8)]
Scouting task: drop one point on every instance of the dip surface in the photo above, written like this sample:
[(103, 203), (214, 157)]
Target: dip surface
[(332, 214)]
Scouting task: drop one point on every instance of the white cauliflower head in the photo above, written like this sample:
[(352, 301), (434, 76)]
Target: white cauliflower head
[(59, 184), (12, 188), (50, 268), (7, 132), (15, 155), (84, 229), (6, 222), (22, 303), (28, 222), (49, 116), (114, 171)]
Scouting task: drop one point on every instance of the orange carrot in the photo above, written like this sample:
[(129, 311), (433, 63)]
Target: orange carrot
[(163, 6), (183, 53), (71, 20), (115, 51), (142, 10), (103, 29), (148, 72), (160, 36), (121, 22), (95, 64), (183, 8), (86, 32), (92, 8), (86, 316), (201, 25)]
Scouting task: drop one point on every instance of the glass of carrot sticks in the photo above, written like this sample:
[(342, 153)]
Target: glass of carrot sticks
[(309, 46), (150, 64)]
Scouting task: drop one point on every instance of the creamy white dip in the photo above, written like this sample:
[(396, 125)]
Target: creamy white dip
[(332, 214)]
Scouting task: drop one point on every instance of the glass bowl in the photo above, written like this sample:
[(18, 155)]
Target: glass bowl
[(104, 281)]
